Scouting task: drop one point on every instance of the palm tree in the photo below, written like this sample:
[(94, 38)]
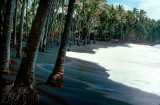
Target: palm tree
[(6, 36), (20, 35), (34, 4), (56, 77), (94, 41), (54, 18), (61, 23), (27, 19), (22, 92), (15, 24), (45, 30)]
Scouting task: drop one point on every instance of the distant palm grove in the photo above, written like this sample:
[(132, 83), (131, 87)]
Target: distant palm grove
[(61, 21)]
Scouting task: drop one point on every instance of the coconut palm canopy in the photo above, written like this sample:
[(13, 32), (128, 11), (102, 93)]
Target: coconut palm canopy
[(65, 22)]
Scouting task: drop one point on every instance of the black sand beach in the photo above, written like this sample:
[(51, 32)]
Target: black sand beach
[(85, 83)]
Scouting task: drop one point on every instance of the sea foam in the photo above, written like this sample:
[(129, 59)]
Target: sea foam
[(136, 66)]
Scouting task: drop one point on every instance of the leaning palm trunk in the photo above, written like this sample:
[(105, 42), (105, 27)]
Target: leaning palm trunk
[(79, 33), (20, 35), (122, 34), (89, 27), (94, 30), (77, 24), (61, 23), (6, 36), (56, 77), (54, 18), (44, 42), (15, 24), (88, 32), (74, 35), (72, 31), (34, 4), (27, 19), (85, 39), (22, 92), (26, 70), (82, 27), (41, 42)]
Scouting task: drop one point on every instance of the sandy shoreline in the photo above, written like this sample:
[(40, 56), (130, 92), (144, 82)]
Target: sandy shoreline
[(130, 95), (84, 82)]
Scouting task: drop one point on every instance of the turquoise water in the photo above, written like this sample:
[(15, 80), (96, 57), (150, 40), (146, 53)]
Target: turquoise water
[(136, 66)]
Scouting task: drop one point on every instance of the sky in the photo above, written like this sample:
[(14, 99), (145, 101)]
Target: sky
[(152, 7)]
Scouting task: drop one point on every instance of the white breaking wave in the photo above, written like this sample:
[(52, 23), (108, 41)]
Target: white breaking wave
[(136, 66)]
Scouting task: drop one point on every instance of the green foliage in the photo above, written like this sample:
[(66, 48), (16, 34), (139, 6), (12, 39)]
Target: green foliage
[(112, 21)]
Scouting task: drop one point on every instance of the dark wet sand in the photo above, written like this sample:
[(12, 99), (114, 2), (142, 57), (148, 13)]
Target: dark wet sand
[(85, 83)]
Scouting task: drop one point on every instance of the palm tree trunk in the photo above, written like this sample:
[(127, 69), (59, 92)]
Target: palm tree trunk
[(54, 18), (79, 30), (94, 30), (27, 19), (15, 25), (6, 36), (52, 36), (82, 28), (111, 30), (40, 45), (61, 23), (41, 42), (72, 31), (77, 34), (56, 77), (89, 28), (74, 35), (34, 4), (22, 91), (44, 42), (85, 39), (118, 30), (127, 31), (20, 35), (25, 74), (122, 34)]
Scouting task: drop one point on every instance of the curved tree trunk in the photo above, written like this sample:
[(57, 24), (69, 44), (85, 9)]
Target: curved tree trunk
[(25, 74), (54, 18), (41, 42), (34, 4), (56, 77), (122, 34), (61, 23), (27, 18), (20, 35), (82, 27), (72, 31), (77, 24), (15, 24), (89, 27), (111, 30), (6, 36), (44, 42), (85, 36), (94, 30), (88, 32), (79, 30), (74, 35), (22, 91)]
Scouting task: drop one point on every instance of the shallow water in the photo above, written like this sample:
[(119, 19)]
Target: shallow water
[(136, 65)]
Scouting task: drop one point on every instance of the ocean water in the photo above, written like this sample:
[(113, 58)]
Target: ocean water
[(136, 66)]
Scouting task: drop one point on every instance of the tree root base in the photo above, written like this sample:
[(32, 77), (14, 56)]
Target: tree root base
[(55, 81), (7, 72), (19, 95), (18, 56)]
